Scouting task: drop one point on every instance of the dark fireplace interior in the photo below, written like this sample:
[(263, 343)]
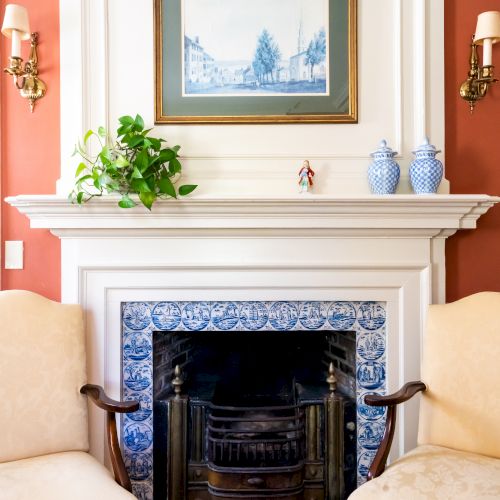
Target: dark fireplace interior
[(255, 416)]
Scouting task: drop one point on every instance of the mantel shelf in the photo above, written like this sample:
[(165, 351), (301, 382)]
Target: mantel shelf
[(433, 213)]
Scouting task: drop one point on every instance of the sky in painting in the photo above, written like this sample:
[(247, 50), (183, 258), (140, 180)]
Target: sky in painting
[(228, 29)]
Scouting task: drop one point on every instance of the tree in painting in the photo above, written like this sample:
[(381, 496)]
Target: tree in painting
[(316, 52), (267, 57)]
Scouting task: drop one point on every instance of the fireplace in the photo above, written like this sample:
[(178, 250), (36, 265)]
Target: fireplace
[(255, 416)]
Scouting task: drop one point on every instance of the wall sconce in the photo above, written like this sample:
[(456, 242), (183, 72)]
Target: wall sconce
[(481, 77), (16, 26)]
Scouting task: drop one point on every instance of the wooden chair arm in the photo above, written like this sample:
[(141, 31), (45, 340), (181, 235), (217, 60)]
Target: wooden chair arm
[(391, 401), (98, 396), (404, 394)]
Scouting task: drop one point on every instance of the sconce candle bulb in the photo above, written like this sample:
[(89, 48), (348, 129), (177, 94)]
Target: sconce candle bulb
[(16, 43)]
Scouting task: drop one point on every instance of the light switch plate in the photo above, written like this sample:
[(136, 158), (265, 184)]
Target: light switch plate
[(14, 254)]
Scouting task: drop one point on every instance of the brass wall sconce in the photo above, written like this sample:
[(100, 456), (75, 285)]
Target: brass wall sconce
[(481, 77), (16, 26)]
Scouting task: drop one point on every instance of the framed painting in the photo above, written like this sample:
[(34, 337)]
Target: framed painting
[(255, 61)]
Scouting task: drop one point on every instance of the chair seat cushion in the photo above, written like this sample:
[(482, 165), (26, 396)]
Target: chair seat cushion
[(434, 472), (74, 475)]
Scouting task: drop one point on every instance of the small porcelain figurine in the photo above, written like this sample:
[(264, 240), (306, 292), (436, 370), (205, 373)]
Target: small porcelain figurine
[(306, 174)]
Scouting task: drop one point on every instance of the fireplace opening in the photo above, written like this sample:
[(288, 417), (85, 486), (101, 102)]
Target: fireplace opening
[(254, 416)]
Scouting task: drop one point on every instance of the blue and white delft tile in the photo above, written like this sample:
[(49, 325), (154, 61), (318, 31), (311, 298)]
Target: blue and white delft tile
[(140, 319), (371, 315), (138, 436), (142, 490), (365, 459), (371, 345), (342, 315), (253, 315), (166, 315), (312, 315), (224, 315), (139, 466), (137, 315), (145, 406), (283, 316)]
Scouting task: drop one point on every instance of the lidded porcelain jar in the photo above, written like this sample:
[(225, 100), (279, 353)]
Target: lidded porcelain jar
[(426, 171), (383, 172)]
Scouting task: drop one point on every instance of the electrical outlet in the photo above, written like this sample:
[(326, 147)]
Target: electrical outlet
[(14, 254)]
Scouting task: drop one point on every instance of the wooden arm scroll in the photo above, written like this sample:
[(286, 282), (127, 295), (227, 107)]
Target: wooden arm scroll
[(391, 401), (98, 396)]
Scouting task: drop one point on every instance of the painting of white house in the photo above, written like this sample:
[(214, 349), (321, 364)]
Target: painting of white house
[(255, 47)]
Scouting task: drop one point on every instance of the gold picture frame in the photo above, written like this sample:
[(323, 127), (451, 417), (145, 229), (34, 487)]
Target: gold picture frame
[(174, 107)]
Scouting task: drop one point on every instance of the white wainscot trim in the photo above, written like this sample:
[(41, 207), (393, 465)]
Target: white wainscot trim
[(380, 248)]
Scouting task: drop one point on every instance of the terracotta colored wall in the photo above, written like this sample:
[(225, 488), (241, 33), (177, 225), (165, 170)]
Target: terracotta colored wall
[(30, 154), (472, 156)]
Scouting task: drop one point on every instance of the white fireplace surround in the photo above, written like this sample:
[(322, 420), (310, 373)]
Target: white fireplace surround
[(377, 248)]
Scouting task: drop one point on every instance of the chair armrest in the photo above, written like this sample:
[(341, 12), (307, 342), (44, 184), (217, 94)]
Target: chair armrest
[(404, 394), (391, 401), (98, 396)]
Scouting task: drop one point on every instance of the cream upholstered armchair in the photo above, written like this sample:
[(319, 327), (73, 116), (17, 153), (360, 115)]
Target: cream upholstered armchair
[(458, 452), (43, 409)]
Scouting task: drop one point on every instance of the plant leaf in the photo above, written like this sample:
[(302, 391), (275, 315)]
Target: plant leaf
[(139, 185), (87, 136), (101, 131), (105, 155), (135, 141), (175, 166), (136, 174), (166, 187), (147, 199), (139, 123), (81, 167), (126, 120), (176, 148), (121, 162), (166, 155), (142, 160), (79, 197), (126, 202), (155, 143), (187, 188)]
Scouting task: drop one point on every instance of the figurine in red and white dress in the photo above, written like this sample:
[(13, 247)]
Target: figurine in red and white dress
[(305, 177)]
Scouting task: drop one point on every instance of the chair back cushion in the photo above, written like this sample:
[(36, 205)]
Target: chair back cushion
[(42, 369), (461, 367)]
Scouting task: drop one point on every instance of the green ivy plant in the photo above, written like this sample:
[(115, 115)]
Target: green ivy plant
[(134, 163)]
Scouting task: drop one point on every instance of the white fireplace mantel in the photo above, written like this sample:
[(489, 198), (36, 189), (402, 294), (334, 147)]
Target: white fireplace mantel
[(310, 247), (382, 215)]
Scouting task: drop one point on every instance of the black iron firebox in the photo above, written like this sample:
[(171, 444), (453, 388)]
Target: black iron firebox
[(253, 415)]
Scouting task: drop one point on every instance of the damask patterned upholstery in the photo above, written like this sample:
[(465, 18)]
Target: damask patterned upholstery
[(435, 473), (43, 416), (71, 475), (459, 422)]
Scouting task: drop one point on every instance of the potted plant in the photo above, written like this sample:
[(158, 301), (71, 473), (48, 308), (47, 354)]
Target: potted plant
[(134, 163)]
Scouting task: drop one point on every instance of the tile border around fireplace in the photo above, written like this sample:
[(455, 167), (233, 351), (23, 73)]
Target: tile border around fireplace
[(141, 319)]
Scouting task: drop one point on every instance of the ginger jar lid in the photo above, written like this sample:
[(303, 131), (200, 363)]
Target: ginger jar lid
[(383, 150), (426, 147)]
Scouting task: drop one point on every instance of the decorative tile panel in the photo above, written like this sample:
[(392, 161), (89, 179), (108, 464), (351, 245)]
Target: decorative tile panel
[(141, 319)]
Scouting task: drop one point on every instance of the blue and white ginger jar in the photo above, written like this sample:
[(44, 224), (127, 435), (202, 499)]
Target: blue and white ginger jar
[(426, 171), (383, 172)]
